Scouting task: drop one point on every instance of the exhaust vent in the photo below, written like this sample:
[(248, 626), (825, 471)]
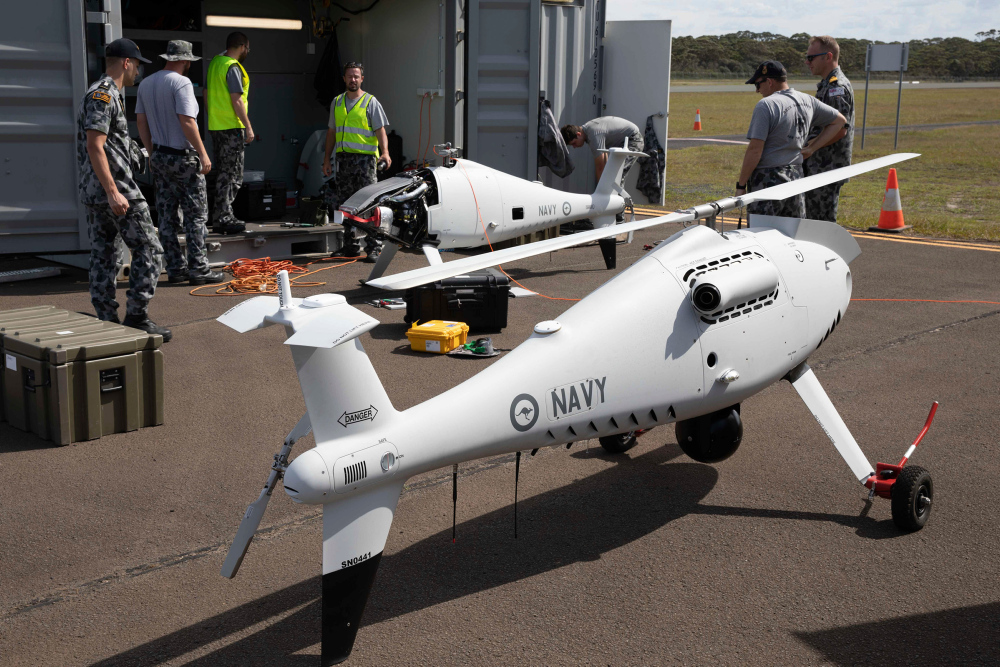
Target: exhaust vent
[(355, 473)]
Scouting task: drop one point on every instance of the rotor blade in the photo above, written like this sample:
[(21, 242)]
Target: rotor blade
[(251, 518), (248, 527), (792, 188), (299, 431), (457, 267)]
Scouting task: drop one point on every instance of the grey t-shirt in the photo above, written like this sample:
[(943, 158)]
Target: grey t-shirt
[(376, 115), (162, 96), (782, 121), (234, 79), (608, 132)]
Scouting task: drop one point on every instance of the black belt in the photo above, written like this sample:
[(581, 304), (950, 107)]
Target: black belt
[(167, 150)]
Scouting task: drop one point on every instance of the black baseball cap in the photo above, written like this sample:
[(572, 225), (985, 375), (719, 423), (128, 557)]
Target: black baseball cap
[(769, 69), (123, 48)]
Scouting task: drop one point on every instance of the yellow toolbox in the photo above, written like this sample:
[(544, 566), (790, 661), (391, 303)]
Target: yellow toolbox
[(437, 336)]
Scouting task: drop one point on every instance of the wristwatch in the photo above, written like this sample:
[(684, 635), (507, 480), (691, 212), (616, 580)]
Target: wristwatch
[(741, 186)]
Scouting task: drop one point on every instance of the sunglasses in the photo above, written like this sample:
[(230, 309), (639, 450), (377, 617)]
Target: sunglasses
[(353, 64), (816, 55)]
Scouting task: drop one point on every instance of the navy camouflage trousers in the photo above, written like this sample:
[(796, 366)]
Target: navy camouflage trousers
[(352, 172), (821, 203), (135, 228), (793, 207), (227, 163), (180, 186)]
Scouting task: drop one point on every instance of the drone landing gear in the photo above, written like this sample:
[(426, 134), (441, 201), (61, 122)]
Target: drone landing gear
[(609, 248), (621, 442), (910, 488)]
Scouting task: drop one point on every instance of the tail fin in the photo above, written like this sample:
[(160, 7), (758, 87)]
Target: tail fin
[(342, 391), (354, 534), (610, 182)]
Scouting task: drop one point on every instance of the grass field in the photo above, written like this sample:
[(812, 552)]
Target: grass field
[(729, 113), (951, 190)]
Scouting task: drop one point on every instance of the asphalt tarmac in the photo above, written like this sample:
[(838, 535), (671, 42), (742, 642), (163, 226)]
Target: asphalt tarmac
[(111, 549)]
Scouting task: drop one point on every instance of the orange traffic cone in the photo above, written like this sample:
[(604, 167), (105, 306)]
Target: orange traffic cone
[(891, 217), (697, 120)]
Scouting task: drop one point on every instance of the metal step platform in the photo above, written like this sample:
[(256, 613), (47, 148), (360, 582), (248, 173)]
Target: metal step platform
[(261, 239)]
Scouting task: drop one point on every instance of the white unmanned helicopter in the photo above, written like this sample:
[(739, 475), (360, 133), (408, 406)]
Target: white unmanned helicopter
[(465, 205), (724, 316)]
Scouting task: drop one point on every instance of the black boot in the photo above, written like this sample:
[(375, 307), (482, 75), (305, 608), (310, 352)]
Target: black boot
[(234, 226), (210, 277), (348, 251), (143, 323)]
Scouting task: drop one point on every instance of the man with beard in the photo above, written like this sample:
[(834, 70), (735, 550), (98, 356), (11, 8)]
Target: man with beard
[(779, 138), (107, 158), (166, 110), (834, 89), (227, 93), (357, 136)]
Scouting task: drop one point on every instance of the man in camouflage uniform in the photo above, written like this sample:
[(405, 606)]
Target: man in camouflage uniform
[(353, 173), (166, 111), (778, 138), (835, 90), (107, 158), (359, 143)]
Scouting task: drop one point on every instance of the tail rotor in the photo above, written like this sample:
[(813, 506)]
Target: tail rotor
[(251, 518)]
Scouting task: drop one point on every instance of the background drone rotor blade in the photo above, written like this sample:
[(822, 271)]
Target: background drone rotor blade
[(427, 274)]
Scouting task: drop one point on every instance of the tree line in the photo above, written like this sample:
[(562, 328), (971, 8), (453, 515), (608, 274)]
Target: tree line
[(739, 53)]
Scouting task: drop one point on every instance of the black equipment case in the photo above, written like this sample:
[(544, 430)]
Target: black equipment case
[(479, 299), (261, 200)]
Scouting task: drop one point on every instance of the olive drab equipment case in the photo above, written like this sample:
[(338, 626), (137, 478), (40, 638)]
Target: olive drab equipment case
[(69, 377)]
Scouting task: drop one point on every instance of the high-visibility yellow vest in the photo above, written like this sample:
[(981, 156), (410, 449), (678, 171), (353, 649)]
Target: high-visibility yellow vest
[(221, 115), (354, 134)]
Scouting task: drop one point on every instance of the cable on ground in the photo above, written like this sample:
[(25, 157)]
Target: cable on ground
[(260, 276)]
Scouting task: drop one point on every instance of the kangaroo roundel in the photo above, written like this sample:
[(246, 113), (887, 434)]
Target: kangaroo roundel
[(523, 412)]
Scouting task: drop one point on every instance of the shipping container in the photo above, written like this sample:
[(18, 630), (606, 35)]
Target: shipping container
[(468, 72)]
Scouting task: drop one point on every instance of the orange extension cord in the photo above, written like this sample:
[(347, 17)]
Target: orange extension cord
[(260, 276)]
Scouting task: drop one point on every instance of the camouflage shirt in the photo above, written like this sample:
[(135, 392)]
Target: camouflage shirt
[(835, 90), (103, 109)]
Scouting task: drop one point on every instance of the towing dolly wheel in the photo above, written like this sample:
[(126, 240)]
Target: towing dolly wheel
[(912, 495), (617, 444)]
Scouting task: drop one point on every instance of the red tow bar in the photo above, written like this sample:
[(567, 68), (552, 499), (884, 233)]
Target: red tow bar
[(886, 473)]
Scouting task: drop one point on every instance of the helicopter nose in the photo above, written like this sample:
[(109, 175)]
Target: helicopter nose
[(308, 480)]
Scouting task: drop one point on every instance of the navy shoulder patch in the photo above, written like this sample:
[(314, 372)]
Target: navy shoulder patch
[(101, 96), (835, 92)]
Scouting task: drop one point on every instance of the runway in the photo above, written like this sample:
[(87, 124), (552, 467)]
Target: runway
[(112, 548)]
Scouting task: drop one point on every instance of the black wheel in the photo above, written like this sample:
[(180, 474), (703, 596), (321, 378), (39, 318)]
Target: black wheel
[(912, 495), (617, 444)]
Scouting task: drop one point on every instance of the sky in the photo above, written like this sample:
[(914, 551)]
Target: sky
[(861, 19)]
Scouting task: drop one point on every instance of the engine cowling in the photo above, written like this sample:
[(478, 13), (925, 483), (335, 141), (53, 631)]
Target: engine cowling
[(713, 437)]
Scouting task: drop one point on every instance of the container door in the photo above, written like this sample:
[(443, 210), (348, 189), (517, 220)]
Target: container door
[(637, 82), (43, 75), (502, 59)]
